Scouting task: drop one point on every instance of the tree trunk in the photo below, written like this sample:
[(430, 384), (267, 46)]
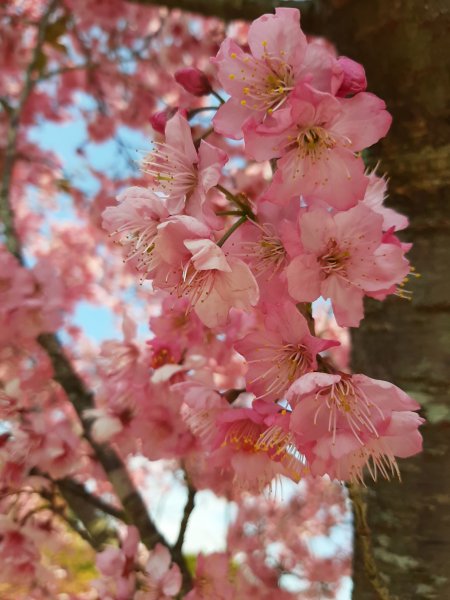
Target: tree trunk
[(404, 46)]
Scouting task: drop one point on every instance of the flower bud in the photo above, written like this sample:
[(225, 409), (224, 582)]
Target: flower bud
[(194, 81), (354, 77), (159, 119)]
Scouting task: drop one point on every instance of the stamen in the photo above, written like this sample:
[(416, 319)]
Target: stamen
[(171, 169), (286, 363), (345, 399), (334, 261), (267, 255), (243, 435), (267, 81)]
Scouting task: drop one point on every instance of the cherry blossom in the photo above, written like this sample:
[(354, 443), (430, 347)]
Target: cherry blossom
[(182, 174), (279, 350), (316, 136), (343, 258), (343, 423), (216, 367)]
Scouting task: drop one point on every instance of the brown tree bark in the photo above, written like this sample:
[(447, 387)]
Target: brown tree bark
[(404, 46)]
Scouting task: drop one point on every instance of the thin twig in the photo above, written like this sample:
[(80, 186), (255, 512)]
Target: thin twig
[(189, 507), (78, 489), (178, 546)]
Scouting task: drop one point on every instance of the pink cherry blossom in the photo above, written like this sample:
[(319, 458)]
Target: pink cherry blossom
[(343, 259), (260, 82), (163, 581), (279, 350), (342, 423), (212, 578), (258, 443), (134, 221), (118, 564), (18, 552), (179, 172), (211, 282), (222, 283), (316, 136)]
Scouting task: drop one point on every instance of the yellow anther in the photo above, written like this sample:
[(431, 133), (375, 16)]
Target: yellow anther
[(233, 55), (231, 76), (243, 102), (264, 43), (246, 90)]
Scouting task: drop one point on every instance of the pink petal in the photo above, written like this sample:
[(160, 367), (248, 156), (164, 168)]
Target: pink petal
[(171, 584), (278, 35), (179, 135), (364, 120), (347, 301), (207, 255), (159, 562), (304, 278), (230, 118)]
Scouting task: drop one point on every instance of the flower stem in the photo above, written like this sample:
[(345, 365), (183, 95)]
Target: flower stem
[(232, 229), (239, 199)]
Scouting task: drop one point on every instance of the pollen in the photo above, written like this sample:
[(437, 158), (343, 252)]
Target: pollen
[(243, 102), (233, 55), (403, 292), (231, 76), (246, 90), (264, 43)]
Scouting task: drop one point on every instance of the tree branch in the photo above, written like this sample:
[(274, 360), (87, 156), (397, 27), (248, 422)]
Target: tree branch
[(77, 489), (81, 516), (81, 398), (246, 10)]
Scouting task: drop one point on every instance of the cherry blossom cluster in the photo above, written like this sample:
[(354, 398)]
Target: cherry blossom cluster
[(230, 235), (240, 271)]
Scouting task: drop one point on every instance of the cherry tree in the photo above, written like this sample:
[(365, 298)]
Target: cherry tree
[(251, 201)]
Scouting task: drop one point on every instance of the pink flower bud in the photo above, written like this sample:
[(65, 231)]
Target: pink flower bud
[(159, 119), (194, 81), (354, 77)]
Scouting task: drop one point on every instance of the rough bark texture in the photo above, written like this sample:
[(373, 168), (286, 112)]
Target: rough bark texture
[(404, 46)]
